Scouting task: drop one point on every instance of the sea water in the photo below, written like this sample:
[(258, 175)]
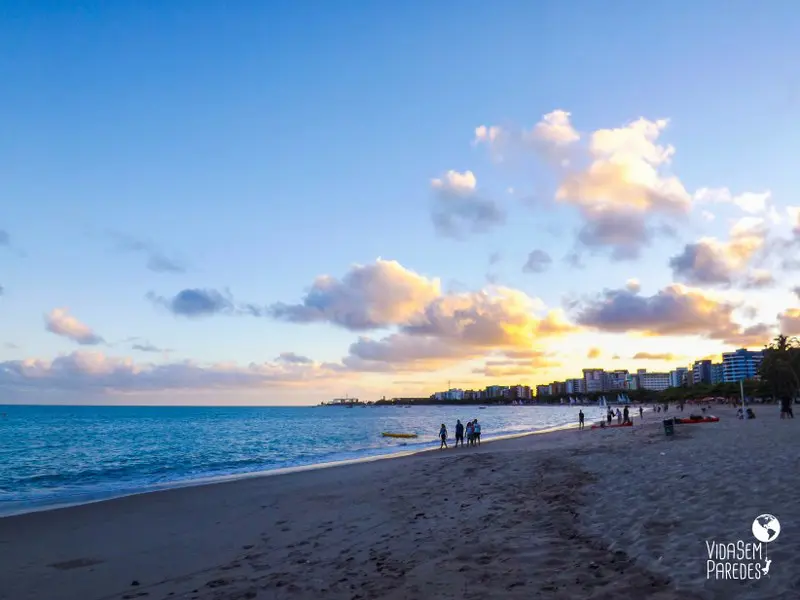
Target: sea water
[(59, 455)]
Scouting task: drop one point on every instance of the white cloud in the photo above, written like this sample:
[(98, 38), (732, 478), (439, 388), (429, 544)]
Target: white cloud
[(793, 213), (371, 296), (457, 182), (487, 135), (61, 323), (458, 209), (95, 372), (625, 172), (711, 261), (555, 129), (431, 327), (633, 285), (550, 137), (749, 202)]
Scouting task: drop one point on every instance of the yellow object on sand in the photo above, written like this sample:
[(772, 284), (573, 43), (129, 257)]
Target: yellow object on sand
[(399, 435)]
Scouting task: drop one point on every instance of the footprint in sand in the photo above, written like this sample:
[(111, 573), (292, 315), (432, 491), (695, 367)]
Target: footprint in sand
[(75, 563)]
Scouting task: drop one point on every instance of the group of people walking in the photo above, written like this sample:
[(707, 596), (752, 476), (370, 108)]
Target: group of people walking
[(623, 417), (472, 431)]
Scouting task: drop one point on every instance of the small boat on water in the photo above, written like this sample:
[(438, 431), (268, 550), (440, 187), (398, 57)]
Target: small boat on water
[(398, 435), (481, 408)]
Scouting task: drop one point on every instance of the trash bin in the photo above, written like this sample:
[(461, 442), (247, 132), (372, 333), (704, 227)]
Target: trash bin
[(669, 426)]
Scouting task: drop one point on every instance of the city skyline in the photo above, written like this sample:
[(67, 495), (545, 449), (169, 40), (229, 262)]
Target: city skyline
[(733, 366), (275, 205)]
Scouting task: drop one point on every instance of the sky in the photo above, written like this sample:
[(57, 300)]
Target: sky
[(286, 202)]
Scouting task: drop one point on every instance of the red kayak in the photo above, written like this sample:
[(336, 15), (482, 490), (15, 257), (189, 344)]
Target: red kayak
[(691, 421), (610, 426)]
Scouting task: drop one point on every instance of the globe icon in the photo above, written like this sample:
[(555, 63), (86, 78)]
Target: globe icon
[(766, 528)]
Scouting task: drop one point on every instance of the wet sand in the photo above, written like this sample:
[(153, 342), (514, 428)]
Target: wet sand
[(591, 514)]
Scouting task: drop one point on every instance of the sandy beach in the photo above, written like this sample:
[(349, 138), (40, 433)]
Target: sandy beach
[(620, 513)]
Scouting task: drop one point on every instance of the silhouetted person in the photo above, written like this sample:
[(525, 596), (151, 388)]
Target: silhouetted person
[(580, 419), (459, 433), (786, 408)]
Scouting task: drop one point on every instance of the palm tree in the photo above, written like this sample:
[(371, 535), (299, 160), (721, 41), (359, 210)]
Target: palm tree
[(780, 368)]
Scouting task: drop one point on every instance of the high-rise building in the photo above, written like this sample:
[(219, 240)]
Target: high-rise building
[(519, 392), (678, 376), (701, 372), (542, 391), (575, 386), (594, 380), (717, 373), (451, 394), (615, 380), (632, 382), (741, 364), (653, 381), (495, 391)]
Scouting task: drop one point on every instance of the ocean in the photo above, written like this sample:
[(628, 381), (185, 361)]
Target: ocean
[(54, 456)]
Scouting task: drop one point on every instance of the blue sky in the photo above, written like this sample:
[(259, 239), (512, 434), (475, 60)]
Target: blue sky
[(260, 145)]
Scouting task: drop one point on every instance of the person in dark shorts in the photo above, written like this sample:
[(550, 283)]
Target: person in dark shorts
[(443, 437), (580, 419), (459, 433), (786, 408), (641, 413), (470, 434), (626, 417), (476, 432)]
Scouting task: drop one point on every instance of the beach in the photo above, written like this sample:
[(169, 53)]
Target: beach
[(621, 513)]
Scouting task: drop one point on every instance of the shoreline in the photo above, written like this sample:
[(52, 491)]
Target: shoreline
[(620, 513), (234, 477)]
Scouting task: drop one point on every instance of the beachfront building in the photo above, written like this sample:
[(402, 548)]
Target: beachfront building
[(519, 392), (575, 386), (558, 388), (632, 381), (543, 391), (701, 372), (615, 380), (594, 380), (741, 364), (496, 391), (451, 394), (678, 377), (656, 382), (717, 373)]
